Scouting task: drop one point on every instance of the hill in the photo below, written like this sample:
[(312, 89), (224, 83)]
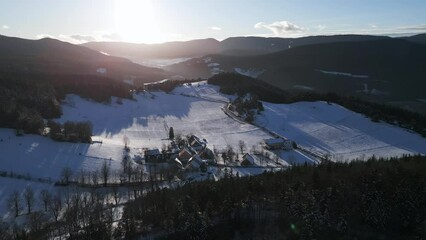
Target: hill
[(234, 46), (51, 56), (380, 70)]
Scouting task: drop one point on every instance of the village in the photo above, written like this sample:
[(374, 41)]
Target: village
[(185, 156)]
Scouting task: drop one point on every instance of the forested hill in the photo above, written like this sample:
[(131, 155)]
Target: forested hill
[(376, 199), (51, 56), (36, 74), (385, 69)]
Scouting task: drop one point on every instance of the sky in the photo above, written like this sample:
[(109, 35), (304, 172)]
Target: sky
[(156, 21)]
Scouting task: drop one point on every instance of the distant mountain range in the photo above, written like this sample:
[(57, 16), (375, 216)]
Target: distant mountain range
[(234, 46), (371, 67), (377, 68), (51, 56)]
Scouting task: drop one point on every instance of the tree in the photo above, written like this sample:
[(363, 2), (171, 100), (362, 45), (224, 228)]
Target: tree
[(55, 206), (46, 197), (14, 202), (95, 177), (105, 172), (66, 175), (171, 133), (242, 146), (116, 194), (29, 198)]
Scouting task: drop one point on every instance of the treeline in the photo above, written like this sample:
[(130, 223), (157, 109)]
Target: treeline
[(25, 99), (376, 199), (168, 85), (71, 131), (233, 83)]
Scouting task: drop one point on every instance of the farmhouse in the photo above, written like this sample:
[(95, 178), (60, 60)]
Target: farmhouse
[(153, 156), (184, 155), (274, 143), (196, 143), (248, 160)]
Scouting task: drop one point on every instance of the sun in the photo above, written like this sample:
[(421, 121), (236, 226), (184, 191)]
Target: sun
[(136, 21)]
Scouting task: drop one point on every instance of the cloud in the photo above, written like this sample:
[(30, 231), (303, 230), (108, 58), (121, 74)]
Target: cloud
[(43, 35), (321, 27), (416, 28), (372, 25), (215, 28), (5, 27), (280, 28), (110, 37), (82, 38)]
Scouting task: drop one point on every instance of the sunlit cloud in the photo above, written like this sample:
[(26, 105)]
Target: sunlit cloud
[(215, 28), (5, 27), (280, 28), (43, 35), (321, 27), (84, 38)]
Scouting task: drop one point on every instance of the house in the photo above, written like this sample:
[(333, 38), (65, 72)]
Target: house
[(248, 160), (288, 145), (196, 143), (153, 156), (274, 143), (184, 155), (195, 163)]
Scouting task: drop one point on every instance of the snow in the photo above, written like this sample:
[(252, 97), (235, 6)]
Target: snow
[(303, 87), (254, 73), (8, 185), (145, 121), (131, 82), (101, 70), (343, 74), (344, 135)]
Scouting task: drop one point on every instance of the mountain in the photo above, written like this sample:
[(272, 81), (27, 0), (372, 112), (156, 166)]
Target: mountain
[(234, 46), (50, 56), (419, 38), (140, 52), (391, 69)]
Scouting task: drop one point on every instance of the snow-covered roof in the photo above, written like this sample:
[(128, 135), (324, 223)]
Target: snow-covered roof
[(250, 158), (273, 141), (152, 152)]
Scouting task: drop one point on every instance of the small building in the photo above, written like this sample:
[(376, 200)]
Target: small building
[(288, 145), (248, 160), (274, 143), (196, 143), (195, 163), (153, 156), (184, 155)]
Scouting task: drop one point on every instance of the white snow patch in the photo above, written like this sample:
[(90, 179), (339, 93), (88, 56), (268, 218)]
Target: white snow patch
[(303, 87), (104, 53), (254, 73), (101, 70), (131, 82), (343, 74), (341, 133)]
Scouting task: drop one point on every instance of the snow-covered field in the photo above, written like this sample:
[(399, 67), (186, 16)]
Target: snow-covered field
[(196, 108), (145, 121), (344, 135)]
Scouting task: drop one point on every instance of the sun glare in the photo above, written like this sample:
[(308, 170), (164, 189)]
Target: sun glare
[(136, 21)]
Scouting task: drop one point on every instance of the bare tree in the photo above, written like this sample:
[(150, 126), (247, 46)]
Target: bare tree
[(242, 146), (46, 197), (105, 172), (116, 194), (55, 206), (29, 198), (95, 177), (14, 202), (66, 175)]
